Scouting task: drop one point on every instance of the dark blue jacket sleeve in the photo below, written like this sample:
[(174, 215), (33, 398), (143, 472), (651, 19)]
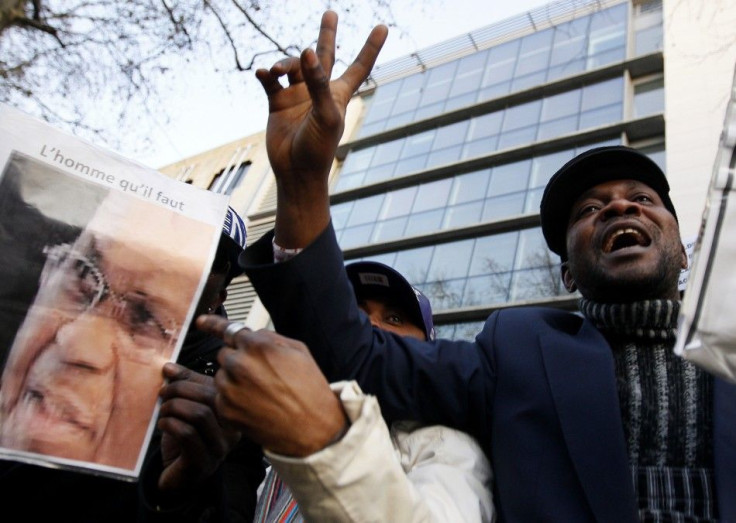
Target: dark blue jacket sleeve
[(310, 298)]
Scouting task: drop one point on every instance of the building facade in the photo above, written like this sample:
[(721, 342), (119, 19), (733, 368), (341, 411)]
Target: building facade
[(447, 151)]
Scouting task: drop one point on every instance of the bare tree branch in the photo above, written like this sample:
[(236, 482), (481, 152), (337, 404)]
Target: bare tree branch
[(63, 60)]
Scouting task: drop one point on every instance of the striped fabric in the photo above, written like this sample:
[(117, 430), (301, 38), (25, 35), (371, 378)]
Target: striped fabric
[(666, 410), (275, 503), (675, 495)]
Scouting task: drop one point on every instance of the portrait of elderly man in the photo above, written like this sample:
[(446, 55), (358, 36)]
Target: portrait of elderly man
[(82, 375)]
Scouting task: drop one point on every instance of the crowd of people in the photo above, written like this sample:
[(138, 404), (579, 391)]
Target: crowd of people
[(362, 415)]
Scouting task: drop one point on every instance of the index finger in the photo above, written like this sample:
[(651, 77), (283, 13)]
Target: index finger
[(212, 324), (361, 67)]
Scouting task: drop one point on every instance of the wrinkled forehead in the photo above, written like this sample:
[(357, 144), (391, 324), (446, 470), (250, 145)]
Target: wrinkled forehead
[(147, 249), (137, 222)]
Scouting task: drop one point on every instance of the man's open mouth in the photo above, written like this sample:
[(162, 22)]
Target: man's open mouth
[(623, 238)]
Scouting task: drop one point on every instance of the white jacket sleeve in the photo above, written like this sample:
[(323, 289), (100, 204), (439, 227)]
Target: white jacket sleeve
[(422, 474)]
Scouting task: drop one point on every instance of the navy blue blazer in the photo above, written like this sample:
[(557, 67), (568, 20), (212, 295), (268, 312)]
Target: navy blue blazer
[(536, 388)]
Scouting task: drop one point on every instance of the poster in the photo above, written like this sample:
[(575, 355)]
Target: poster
[(102, 261)]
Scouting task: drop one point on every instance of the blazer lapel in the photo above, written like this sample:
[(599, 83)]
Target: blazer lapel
[(581, 375), (724, 448)]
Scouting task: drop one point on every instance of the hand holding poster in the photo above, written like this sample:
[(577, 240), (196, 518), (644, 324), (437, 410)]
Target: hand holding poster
[(707, 330), (103, 261)]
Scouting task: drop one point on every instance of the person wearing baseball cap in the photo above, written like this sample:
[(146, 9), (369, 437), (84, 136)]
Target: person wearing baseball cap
[(445, 476), (389, 300)]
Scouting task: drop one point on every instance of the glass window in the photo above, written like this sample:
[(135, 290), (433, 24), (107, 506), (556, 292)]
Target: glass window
[(533, 200), (543, 167), (559, 127), (398, 203), (560, 105), (608, 33), (438, 83), (533, 250), (570, 42), (408, 96), (534, 52), (357, 160), (602, 116), (521, 115), (602, 93), (486, 290), (444, 156), (340, 213), (462, 215), (656, 153), (428, 111), (649, 98), (387, 152), (566, 69), (389, 230), (528, 80), (503, 206), (410, 165), (648, 40), (432, 195), (517, 137), (365, 210), (536, 283), (493, 254), (372, 128), (348, 182), (470, 187), (460, 101), (451, 260), (501, 63), (425, 222), (480, 147), (380, 173), (418, 143), (354, 236), (468, 331), (381, 101), (449, 135), (494, 91), (469, 73), (484, 126), (399, 119), (510, 177), (387, 258), (445, 294), (459, 331), (412, 263)]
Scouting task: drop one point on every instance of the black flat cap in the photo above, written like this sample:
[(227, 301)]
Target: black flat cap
[(586, 170)]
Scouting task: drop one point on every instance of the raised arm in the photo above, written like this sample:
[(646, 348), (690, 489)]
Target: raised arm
[(305, 123)]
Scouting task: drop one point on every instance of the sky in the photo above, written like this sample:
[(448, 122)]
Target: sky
[(207, 111)]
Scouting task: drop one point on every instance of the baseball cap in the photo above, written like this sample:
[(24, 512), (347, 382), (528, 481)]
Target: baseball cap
[(369, 278), (234, 241), (586, 170)]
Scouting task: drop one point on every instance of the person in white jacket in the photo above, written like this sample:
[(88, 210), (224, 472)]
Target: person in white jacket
[(369, 473)]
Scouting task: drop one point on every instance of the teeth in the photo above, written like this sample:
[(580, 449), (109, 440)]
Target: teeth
[(628, 230)]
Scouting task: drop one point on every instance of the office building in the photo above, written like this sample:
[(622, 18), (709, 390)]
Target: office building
[(447, 151)]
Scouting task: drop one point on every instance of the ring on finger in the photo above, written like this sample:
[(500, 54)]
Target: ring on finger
[(231, 330)]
